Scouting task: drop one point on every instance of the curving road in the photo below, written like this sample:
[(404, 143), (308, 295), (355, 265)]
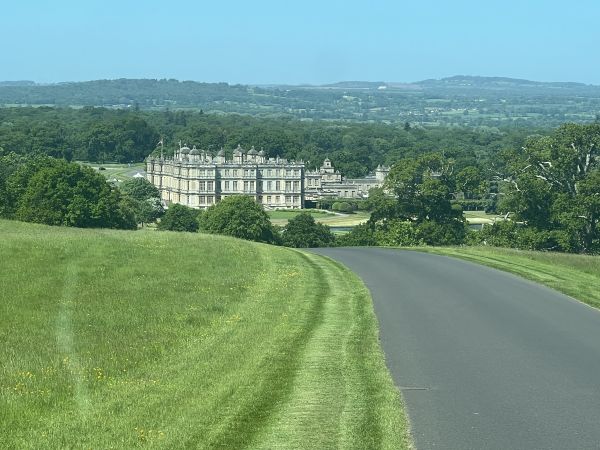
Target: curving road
[(484, 359)]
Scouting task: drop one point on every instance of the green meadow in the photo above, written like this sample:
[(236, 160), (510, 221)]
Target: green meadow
[(281, 217), (120, 172), (115, 339)]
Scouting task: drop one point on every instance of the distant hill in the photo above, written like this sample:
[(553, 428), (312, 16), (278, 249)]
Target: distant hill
[(356, 84), (495, 82), (457, 100), (17, 83)]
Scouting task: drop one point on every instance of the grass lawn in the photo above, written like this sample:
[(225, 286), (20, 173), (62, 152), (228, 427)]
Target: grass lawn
[(325, 217), (575, 275), (481, 217), (119, 339), (121, 172), (286, 214)]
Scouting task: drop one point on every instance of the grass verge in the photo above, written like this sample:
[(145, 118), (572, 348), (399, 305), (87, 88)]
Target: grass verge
[(575, 275), (118, 339)]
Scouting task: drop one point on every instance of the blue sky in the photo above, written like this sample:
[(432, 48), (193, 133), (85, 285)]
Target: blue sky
[(261, 42)]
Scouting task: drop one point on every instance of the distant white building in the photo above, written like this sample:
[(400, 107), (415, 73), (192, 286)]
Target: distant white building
[(197, 179), (329, 183)]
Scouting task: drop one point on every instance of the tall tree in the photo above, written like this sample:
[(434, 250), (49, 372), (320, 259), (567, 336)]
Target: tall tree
[(143, 198), (422, 188), (302, 232), (60, 193), (553, 183), (179, 218), (239, 216)]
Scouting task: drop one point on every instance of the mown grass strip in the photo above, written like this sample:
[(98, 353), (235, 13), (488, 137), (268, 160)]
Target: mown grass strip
[(344, 385), (575, 275), (141, 339)]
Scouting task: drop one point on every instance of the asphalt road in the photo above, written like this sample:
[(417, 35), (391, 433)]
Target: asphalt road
[(484, 359)]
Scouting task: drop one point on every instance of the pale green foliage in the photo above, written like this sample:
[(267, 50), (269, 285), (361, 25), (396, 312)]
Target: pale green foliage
[(144, 199)]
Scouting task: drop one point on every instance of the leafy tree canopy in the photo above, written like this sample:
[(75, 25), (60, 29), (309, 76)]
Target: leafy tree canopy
[(303, 232), (56, 192), (99, 134), (179, 218), (553, 183), (422, 188), (143, 198), (238, 216), (139, 188)]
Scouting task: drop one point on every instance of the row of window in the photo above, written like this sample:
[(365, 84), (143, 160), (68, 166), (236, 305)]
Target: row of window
[(193, 200), (202, 200), (281, 199), (247, 186), (192, 172)]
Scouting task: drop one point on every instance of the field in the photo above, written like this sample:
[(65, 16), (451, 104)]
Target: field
[(281, 217), (168, 340), (119, 172), (575, 275), (481, 217)]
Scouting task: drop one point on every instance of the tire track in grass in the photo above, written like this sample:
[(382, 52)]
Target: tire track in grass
[(312, 413), (65, 339), (276, 388), (342, 396)]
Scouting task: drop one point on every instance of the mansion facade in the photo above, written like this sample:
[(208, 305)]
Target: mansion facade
[(197, 179)]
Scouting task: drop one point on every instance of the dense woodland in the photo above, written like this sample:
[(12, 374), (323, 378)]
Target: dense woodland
[(102, 135)]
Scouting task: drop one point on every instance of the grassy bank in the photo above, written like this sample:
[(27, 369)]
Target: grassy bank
[(133, 339), (574, 275)]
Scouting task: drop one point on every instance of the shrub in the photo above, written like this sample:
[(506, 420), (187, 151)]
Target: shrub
[(397, 232), (239, 216), (516, 235), (442, 233), (179, 218), (343, 207), (302, 232), (56, 192), (361, 235)]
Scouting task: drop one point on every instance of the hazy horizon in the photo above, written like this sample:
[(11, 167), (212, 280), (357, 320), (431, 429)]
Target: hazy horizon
[(263, 42), (40, 83)]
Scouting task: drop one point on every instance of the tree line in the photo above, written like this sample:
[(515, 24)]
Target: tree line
[(548, 191), (54, 191), (106, 135)]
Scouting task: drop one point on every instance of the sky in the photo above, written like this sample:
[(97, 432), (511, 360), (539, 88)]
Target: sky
[(293, 42)]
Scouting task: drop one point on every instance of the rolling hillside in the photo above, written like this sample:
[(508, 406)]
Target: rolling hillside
[(129, 339), (458, 100)]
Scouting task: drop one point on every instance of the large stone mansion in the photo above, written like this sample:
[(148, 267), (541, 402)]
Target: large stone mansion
[(197, 179)]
